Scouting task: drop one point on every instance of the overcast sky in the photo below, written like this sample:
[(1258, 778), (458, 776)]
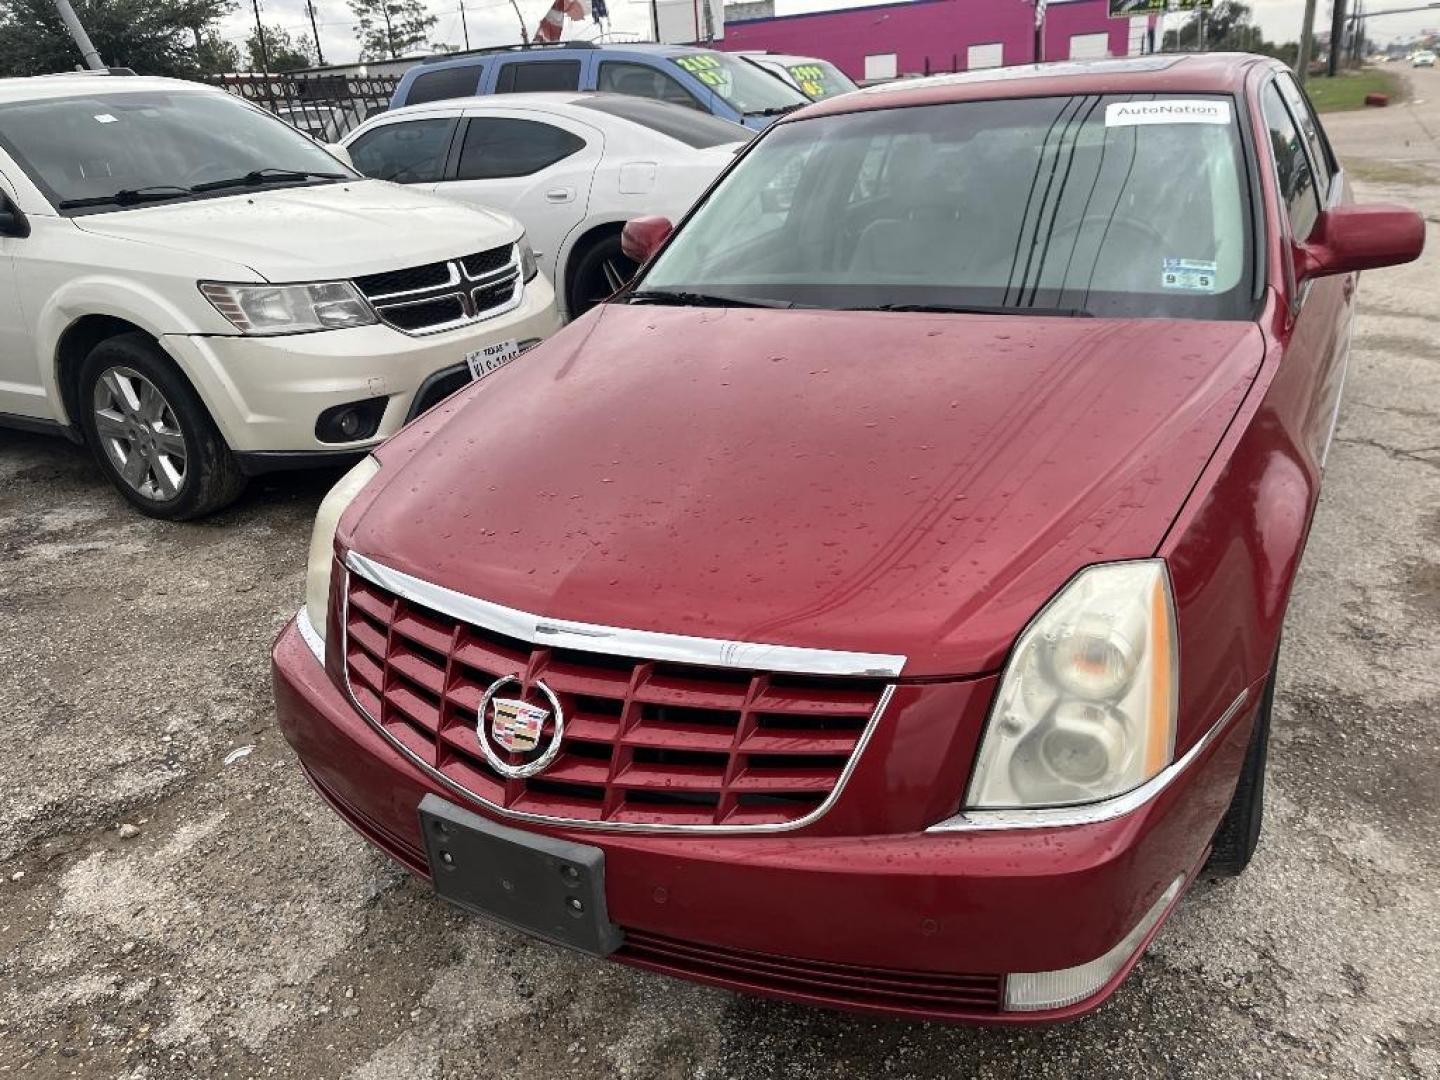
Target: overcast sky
[(493, 22)]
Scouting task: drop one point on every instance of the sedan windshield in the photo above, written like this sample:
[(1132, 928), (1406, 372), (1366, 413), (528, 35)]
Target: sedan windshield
[(1091, 205), (749, 90), (106, 151)]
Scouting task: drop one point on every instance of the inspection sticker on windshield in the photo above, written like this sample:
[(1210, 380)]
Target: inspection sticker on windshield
[(1167, 111), (105, 118), (1193, 275), (492, 358)]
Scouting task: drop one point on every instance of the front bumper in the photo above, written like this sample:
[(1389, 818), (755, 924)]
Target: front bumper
[(265, 393), (914, 925)]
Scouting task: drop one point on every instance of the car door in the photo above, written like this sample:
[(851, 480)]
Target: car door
[(411, 151), (20, 391), (537, 166), (1322, 308)]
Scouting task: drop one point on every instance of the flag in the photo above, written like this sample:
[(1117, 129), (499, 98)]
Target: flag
[(554, 20)]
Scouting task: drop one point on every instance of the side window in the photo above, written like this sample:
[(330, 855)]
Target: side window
[(1292, 165), (446, 83), (497, 147), (642, 80), (1310, 127), (521, 77), (410, 152)]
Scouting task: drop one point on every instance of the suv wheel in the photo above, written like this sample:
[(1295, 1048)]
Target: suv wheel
[(603, 268), (151, 434), (1239, 831)]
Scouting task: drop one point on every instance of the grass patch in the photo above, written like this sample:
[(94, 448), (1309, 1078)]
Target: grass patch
[(1348, 90)]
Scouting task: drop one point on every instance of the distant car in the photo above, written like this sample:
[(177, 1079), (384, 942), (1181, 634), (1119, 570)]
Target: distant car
[(815, 78), (1423, 58), (572, 167), (705, 80)]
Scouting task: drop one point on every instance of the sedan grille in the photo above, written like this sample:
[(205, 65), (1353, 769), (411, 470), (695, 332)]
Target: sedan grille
[(444, 295), (646, 743)]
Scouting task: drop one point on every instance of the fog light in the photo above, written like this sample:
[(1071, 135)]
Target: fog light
[(351, 421), (1033, 991)]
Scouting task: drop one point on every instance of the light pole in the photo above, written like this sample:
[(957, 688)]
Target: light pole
[(82, 39)]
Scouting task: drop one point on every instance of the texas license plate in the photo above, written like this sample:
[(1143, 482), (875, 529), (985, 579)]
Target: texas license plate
[(536, 884), (491, 359)]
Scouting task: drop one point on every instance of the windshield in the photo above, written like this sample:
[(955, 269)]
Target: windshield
[(84, 151), (1103, 205), (744, 86), (819, 79)]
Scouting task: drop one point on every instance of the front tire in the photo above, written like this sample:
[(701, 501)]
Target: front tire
[(599, 273), (151, 434), (1239, 833)]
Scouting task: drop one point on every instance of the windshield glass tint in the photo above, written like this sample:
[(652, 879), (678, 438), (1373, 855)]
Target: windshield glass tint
[(1034, 203), (744, 86), (819, 79), (93, 146)]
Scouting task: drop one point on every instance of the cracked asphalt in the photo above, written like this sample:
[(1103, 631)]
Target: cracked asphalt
[(239, 929)]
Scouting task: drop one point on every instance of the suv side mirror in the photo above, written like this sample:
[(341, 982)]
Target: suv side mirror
[(642, 237), (1350, 238), (13, 222)]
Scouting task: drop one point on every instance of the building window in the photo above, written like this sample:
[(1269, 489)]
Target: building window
[(881, 66), (989, 55), (1089, 46)]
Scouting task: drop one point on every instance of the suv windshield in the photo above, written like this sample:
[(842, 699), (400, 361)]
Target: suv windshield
[(745, 87), (108, 150), (1103, 205)]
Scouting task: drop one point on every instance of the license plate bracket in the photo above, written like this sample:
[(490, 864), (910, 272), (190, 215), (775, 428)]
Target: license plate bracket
[(552, 889)]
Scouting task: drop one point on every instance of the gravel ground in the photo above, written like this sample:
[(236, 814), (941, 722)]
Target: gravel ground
[(173, 906)]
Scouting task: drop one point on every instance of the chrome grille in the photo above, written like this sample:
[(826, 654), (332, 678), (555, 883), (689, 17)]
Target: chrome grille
[(445, 295)]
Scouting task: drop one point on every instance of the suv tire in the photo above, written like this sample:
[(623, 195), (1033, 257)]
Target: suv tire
[(158, 445), (1239, 832)]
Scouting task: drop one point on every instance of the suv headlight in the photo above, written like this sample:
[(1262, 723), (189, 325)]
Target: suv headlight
[(322, 541), (289, 309), (528, 267), (1086, 707)]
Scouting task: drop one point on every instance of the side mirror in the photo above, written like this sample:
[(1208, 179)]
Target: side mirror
[(642, 237), (1350, 238), (338, 151), (12, 221)]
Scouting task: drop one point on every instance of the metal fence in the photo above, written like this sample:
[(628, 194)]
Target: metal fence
[(325, 107)]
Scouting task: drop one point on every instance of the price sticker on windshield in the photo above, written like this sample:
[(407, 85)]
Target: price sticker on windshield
[(1167, 111), (491, 359)]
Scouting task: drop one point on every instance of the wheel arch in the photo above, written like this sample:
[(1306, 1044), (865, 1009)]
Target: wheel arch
[(580, 240)]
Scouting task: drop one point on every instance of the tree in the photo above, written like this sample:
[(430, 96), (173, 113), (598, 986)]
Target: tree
[(389, 29), (281, 53), (155, 37), (214, 55)]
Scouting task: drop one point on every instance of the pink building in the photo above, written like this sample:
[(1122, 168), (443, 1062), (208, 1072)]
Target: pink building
[(921, 36)]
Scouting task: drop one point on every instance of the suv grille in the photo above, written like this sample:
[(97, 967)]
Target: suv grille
[(645, 743), (444, 295)]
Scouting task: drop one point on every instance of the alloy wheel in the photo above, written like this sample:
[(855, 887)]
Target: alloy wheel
[(606, 279), (140, 434)]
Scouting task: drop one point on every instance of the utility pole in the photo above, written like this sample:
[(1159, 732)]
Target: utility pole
[(1337, 37), (524, 33), (82, 39), (1307, 39), (315, 32), (464, 26)]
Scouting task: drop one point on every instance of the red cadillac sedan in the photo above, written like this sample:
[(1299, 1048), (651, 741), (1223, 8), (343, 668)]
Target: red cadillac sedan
[(876, 603)]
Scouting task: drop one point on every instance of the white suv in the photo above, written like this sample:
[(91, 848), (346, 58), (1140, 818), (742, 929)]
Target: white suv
[(201, 293)]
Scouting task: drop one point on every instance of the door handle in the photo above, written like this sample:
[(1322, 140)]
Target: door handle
[(560, 195)]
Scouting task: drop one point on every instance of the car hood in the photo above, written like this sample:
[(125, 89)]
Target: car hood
[(314, 233), (879, 482)]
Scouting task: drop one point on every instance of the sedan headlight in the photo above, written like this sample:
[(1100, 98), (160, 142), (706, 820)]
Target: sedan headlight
[(289, 309), (528, 267), (322, 541), (1086, 707)]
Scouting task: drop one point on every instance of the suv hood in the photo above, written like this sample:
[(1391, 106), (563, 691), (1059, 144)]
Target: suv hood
[(328, 231), (877, 482)]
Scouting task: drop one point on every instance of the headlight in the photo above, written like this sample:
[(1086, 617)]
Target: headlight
[(528, 267), (1086, 707), (322, 541), (289, 309)]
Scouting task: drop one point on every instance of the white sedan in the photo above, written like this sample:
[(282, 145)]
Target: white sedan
[(572, 167)]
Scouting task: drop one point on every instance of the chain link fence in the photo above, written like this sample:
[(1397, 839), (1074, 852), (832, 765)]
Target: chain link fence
[(325, 107)]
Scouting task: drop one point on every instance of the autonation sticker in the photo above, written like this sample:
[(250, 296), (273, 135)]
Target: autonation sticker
[(1168, 111)]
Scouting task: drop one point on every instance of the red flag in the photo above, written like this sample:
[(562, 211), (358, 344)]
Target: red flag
[(554, 20)]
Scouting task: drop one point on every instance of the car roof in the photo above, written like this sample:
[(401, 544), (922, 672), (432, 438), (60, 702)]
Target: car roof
[(562, 49), (562, 100), (1163, 73), (79, 84)]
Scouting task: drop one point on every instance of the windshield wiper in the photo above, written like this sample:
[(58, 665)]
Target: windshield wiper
[(777, 110), (126, 196), (699, 299), (269, 175), (980, 309)]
